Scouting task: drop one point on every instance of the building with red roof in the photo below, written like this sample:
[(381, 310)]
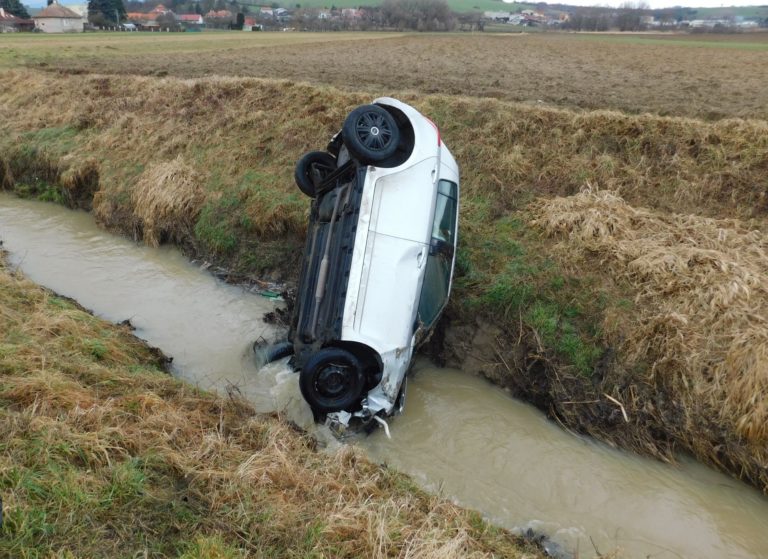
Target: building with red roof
[(9, 23)]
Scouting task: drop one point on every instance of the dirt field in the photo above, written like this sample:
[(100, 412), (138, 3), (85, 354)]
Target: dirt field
[(708, 77)]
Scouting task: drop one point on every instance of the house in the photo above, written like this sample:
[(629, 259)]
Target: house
[(58, 19), (251, 24), (352, 13), (191, 21), (219, 19), (159, 17), (9, 23), (220, 14), (499, 17), (142, 20), (161, 10)]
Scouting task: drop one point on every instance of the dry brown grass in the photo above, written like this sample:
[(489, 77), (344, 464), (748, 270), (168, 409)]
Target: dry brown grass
[(167, 201), (242, 137), (699, 327), (103, 455)]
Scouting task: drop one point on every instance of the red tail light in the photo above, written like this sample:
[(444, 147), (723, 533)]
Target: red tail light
[(439, 139)]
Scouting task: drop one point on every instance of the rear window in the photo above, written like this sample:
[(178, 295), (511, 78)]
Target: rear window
[(444, 225)]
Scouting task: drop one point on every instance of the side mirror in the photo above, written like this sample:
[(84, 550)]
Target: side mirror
[(439, 247)]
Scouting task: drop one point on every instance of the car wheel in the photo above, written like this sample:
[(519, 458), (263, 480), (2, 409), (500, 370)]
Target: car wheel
[(371, 134), (312, 169), (267, 353), (332, 380), (278, 351)]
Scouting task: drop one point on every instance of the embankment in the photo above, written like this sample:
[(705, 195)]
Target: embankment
[(623, 311), (102, 454)]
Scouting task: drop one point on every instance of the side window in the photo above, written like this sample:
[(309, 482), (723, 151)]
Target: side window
[(437, 276), (444, 225)]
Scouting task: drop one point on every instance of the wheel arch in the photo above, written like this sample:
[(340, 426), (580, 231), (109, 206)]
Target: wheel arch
[(368, 357), (407, 136)]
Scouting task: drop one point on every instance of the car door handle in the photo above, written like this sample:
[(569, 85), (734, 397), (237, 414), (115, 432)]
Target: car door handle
[(420, 258)]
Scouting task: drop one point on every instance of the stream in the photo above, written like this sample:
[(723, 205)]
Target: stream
[(459, 436)]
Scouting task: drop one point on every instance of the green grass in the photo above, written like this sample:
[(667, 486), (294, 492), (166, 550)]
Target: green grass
[(56, 140), (455, 5), (655, 41), (40, 190), (33, 161), (208, 547), (218, 224), (96, 348), (510, 277), (728, 11)]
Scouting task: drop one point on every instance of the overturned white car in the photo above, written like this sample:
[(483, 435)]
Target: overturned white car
[(378, 261)]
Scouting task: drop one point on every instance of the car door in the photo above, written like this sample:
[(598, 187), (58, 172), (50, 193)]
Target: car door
[(395, 256)]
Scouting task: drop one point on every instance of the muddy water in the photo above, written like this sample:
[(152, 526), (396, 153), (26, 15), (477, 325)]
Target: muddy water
[(204, 324), (459, 435)]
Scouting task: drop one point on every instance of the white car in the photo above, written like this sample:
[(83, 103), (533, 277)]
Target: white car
[(378, 261)]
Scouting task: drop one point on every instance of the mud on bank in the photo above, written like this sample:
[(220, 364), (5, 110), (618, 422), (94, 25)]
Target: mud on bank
[(553, 304)]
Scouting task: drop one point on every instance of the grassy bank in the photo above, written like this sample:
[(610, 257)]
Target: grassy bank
[(102, 454), (551, 298)]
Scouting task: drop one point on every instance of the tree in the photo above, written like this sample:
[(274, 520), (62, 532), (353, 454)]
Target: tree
[(167, 21), (469, 21), (106, 12), (422, 15), (630, 16), (14, 7)]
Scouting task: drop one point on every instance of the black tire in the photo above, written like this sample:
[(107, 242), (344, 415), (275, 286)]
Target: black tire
[(312, 169), (265, 353), (371, 134), (278, 351), (332, 380)]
